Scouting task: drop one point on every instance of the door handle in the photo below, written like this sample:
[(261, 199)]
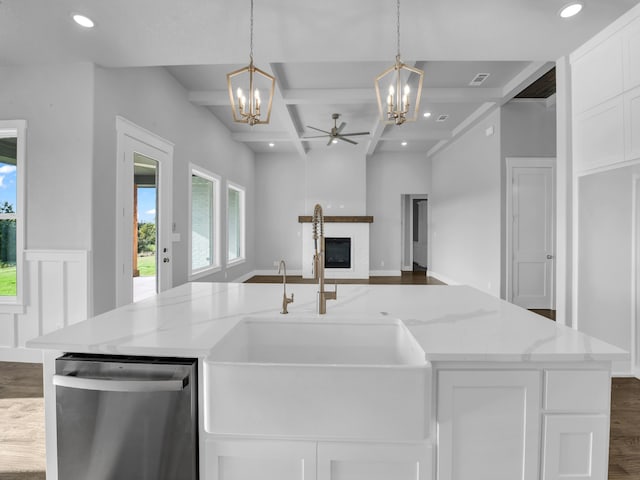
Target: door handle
[(108, 385), (165, 259), (549, 257)]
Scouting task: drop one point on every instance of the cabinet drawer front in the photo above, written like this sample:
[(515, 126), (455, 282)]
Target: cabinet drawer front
[(264, 459), (577, 390), (370, 461)]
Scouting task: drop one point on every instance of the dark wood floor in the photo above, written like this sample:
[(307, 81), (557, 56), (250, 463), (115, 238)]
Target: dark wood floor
[(22, 425), (406, 278)]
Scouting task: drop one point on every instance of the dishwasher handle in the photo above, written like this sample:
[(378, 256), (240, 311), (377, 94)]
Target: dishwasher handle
[(115, 385)]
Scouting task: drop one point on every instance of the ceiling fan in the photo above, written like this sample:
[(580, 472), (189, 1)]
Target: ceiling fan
[(335, 133)]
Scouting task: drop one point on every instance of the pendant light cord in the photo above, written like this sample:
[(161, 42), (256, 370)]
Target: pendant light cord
[(397, 25), (251, 34)]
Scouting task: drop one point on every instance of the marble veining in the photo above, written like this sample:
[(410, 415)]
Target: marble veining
[(450, 323)]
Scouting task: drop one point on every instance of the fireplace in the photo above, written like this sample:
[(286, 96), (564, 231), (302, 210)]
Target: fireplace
[(337, 252), (338, 230)]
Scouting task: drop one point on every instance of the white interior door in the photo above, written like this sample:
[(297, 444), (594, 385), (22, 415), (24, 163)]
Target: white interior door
[(530, 221), (134, 141)]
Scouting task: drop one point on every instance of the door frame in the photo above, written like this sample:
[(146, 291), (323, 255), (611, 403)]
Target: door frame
[(406, 228), (635, 274), (133, 138), (511, 163)]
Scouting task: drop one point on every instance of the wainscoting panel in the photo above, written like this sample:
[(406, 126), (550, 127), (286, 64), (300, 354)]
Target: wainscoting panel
[(56, 295)]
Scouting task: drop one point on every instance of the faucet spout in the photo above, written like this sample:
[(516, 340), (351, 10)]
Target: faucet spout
[(282, 267), (318, 260)]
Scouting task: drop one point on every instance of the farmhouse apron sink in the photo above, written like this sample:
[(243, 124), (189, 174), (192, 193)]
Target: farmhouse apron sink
[(317, 378)]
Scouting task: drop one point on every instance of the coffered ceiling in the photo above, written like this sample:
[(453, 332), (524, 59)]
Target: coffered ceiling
[(325, 55)]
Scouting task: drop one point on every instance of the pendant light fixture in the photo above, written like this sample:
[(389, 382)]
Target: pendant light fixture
[(398, 104), (244, 86)]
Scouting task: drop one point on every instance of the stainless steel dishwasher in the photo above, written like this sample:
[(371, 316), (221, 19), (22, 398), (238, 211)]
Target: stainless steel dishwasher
[(126, 418)]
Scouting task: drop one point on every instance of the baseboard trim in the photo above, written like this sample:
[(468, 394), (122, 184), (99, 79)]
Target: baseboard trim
[(19, 354), (442, 278)]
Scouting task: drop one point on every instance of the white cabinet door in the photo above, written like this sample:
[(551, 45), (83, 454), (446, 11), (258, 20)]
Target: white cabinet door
[(575, 447), (371, 461), (260, 459), (488, 425)]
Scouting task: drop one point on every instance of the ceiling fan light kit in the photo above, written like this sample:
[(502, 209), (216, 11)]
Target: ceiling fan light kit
[(400, 104), (247, 104)]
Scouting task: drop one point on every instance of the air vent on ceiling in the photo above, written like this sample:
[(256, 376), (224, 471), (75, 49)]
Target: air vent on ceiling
[(479, 79), (442, 118)]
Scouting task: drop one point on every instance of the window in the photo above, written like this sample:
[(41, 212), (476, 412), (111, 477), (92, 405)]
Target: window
[(235, 223), (12, 138), (204, 231)]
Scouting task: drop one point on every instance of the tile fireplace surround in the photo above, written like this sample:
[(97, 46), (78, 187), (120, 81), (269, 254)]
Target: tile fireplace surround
[(354, 227)]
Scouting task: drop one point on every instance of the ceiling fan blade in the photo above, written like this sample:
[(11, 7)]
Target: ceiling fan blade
[(341, 137), (330, 142), (316, 136), (352, 134), (317, 129), (342, 125)]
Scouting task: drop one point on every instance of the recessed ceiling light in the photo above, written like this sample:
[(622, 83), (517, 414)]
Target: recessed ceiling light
[(83, 20), (426, 114), (272, 144), (404, 144), (571, 9)]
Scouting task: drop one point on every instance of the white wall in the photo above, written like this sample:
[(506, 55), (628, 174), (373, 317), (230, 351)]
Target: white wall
[(389, 176), (280, 199), (605, 255), (528, 129), (465, 202), (57, 103), (154, 100), (336, 179)]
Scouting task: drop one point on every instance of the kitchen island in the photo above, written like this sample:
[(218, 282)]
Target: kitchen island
[(502, 393)]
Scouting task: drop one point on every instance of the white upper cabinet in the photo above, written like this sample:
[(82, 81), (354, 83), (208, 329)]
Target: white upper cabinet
[(598, 75), (631, 48)]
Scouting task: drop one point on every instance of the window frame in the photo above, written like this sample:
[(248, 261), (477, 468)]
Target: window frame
[(15, 304), (242, 207), (215, 266)]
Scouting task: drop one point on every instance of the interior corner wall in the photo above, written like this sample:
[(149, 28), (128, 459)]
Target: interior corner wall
[(154, 100), (280, 199), (465, 198), (389, 175)]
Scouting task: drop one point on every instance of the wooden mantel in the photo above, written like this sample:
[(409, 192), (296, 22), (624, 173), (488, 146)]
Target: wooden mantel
[(338, 219)]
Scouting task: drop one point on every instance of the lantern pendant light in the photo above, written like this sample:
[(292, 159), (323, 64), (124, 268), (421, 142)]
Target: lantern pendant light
[(244, 90), (398, 104)]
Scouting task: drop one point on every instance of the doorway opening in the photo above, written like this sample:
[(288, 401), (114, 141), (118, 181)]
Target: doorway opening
[(145, 239), (414, 245)]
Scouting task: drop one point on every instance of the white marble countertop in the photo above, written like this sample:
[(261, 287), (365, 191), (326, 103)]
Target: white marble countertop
[(451, 323)]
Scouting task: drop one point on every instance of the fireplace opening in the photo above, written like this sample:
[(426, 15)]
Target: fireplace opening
[(337, 252)]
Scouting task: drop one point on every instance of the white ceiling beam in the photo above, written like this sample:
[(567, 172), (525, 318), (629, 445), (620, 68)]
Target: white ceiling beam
[(354, 96), (282, 111)]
